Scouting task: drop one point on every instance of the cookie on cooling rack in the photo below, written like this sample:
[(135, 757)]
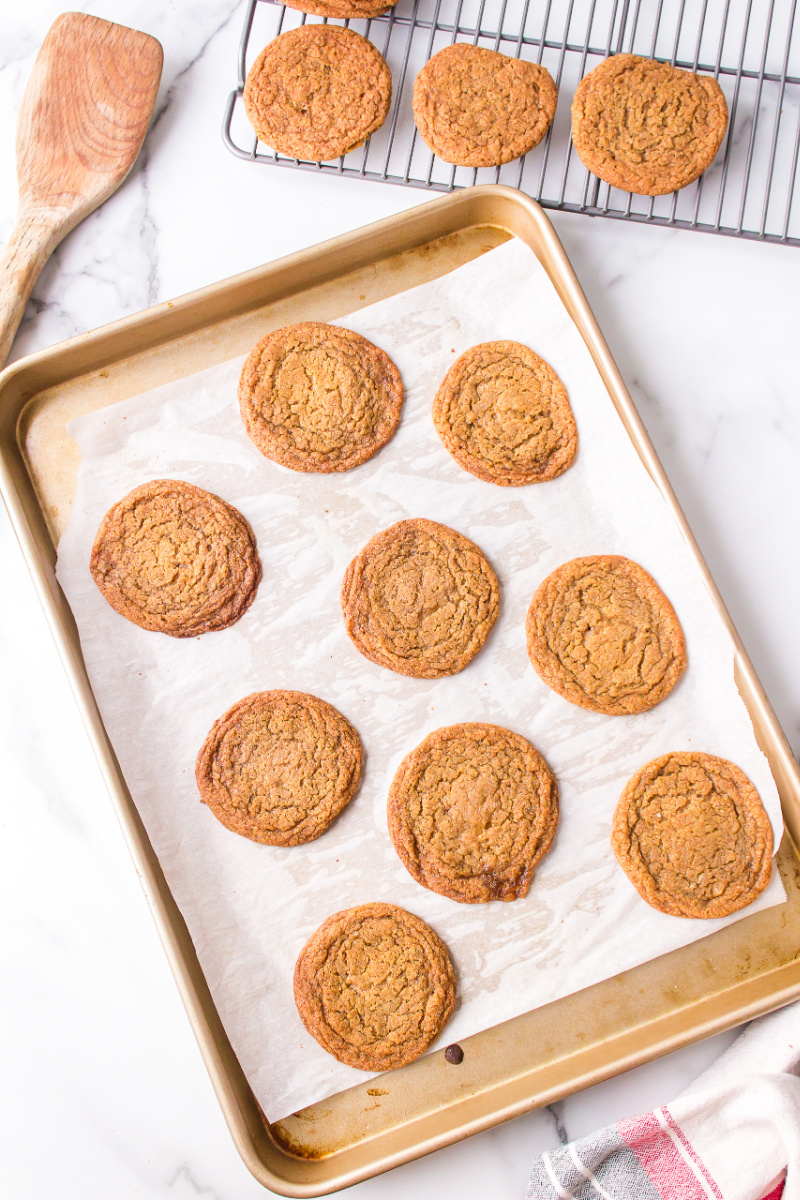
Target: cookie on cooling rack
[(317, 92), (645, 126), (478, 108)]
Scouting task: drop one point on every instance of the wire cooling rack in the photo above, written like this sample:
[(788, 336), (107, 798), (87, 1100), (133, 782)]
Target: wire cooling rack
[(752, 47)]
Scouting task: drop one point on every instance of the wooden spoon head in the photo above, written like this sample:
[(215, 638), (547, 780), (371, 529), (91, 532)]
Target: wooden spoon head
[(84, 115)]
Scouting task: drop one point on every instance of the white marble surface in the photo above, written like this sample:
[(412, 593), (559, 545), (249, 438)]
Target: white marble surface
[(104, 1091)]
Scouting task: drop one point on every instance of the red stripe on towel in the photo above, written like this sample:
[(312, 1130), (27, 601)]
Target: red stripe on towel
[(777, 1192), (660, 1158), (684, 1141)]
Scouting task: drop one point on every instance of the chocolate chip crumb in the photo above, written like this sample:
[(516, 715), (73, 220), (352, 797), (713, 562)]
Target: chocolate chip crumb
[(454, 1054)]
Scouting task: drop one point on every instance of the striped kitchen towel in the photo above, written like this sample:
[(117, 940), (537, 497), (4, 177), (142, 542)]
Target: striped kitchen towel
[(733, 1135)]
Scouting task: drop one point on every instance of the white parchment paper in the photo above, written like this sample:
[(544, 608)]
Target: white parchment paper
[(250, 908)]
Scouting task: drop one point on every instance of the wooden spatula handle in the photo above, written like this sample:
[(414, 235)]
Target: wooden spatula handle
[(31, 243)]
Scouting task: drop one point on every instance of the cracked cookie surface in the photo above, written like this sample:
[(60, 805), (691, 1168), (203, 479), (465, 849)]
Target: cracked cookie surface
[(604, 636), (278, 767), (646, 126), (176, 559), (420, 599), (504, 415), (471, 812), (342, 9), (316, 397), (375, 986), (317, 92), (692, 835), (478, 108)]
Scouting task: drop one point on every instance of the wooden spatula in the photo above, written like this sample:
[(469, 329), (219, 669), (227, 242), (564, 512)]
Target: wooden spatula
[(82, 122)]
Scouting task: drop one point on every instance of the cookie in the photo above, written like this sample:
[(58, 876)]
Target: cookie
[(603, 635), (175, 559), (692, 835), (317, 92), (471, 812), (316, 397), (342, 9), (279, 767), (375, 986), (504, 415), (478, 108), (420, 599), (645, 126)]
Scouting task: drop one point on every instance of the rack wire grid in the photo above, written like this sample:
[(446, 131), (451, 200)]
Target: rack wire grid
[(750, 46)]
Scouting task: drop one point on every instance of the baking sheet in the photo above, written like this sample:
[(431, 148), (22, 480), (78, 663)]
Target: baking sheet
[(250, 908)]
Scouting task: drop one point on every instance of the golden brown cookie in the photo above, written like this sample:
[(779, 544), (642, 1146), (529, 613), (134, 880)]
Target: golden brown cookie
[(317, 92), (603, 635), (342, 9), (478, 108), (471, 812), (279, 767), (375, 986), (692, 835), (420, 599), (176, 559), (645, 126), (316, 397), (505, 415)]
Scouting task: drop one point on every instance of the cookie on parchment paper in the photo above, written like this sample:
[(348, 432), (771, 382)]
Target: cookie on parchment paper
[(645, 126), (478, 108), (278, 767), (375, 986), (316, 397), (420, 599), (176, 559), (471, 812), (505, 416), (604, 636), (692, 835), (317, 92)]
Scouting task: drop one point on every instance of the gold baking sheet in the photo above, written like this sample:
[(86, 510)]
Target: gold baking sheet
[(726, 978)]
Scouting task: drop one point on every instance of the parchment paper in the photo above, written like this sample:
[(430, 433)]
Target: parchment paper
[(250, 908)]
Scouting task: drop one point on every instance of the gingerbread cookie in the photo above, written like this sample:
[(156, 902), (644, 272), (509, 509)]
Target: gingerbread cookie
[(478, 108), (645, 126), (279, 767), (316, 397), (471, 812), (420, 599), (317, 92), (175, 559), (692, 835), (504, 415), (603, 635), (343, 9), (375, 986)]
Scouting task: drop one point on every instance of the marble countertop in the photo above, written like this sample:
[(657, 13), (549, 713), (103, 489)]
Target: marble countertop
[(105, 1091)]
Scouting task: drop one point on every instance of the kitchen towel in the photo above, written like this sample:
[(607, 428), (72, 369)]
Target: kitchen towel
[(733, 1135)]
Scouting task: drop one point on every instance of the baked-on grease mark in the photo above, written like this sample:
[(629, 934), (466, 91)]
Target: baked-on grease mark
[(478, 108), (646, 126), (604, 636), (692, 835), (471, 812), (343, 9), (317, 92), (278, 767), (375, 986), (176, 559), (505, 415), (317, 397), (420, 599)]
